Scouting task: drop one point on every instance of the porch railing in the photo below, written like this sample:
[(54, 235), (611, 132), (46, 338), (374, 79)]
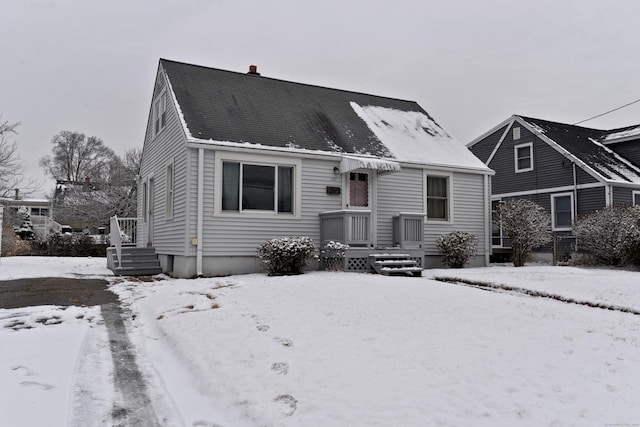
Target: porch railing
[(408, 230), (352, 227), (123, 232)]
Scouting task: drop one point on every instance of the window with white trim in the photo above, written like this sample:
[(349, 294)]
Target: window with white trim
[(438, 197), (635, 198), (160, 113), (145, 197), (257, 187), (523, 157), (562, 214), (169, 191)]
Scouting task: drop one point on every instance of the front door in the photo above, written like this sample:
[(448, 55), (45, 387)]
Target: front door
[(359, 190)]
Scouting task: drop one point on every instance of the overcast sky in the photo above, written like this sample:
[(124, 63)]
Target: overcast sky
[(89, 66)]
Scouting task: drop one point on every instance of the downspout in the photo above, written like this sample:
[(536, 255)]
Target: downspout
[(199, 213), (575, 190), (575, 202), (487, 222)]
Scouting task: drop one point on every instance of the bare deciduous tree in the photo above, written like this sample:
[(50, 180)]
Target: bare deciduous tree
[(11, 169), (115, 193), (77, 157)]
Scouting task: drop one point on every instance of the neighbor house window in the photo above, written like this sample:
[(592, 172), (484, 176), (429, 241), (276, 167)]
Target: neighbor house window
[(160, 113), (438, 198), (636, 198), (562, 211), (497, 234), (257, 187), (170, 191), (523, 155), (516, 133)]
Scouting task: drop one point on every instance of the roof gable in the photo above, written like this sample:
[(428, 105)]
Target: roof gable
[(224, 106), (584, 144)]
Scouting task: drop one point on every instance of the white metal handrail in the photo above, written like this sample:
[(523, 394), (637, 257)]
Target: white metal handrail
[(116, 241)]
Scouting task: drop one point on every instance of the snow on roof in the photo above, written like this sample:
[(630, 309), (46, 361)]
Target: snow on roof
[(412, 136), (626, 133)]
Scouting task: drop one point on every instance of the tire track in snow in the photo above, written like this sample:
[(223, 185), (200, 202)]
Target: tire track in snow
[(134, 407), (495, 287)]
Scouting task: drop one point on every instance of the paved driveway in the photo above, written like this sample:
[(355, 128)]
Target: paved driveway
[(132, 406)]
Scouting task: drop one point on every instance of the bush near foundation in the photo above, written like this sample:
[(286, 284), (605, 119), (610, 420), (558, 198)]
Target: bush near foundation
[(457, 248), (286, 255), (611, 235)]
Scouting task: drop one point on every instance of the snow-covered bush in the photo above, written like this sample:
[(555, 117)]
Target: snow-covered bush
[(526, 224), (25, 231), (611, 235), (333, 256), (457, 248), (286, 255)]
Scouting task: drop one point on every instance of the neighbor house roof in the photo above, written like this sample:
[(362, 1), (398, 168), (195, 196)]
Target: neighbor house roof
[(586, 145), (220, 106)]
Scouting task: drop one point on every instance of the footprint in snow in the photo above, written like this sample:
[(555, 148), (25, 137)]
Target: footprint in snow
[(262, 328), (21, 370), (280, 368), (42, 386), (284, 342), (287, 404), (202, 423)]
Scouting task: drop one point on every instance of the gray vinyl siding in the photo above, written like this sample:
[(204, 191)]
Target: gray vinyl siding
[(468, 212), (623, 195), (590, 199), (398, 192), (483, 149), (169, 145), (231, 235), (550, 168)]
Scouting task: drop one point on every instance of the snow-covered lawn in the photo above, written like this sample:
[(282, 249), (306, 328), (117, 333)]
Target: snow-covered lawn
[(343, 349)]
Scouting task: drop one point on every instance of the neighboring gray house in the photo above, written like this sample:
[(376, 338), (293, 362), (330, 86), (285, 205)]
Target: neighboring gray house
[(569, 170), (231, 160)]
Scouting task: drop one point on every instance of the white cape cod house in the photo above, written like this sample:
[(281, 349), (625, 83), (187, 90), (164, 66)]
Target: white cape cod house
[(231, 160)]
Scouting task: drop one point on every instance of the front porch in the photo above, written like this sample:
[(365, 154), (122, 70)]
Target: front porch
[(353, 228)]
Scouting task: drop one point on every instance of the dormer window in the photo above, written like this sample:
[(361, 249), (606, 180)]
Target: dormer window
[(523, 157), (160, 113)]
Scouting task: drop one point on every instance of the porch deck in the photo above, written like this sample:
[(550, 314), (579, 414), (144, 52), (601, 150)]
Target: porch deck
[(353, 228)]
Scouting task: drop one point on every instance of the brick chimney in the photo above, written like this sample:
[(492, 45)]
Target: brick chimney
[(253, 69)]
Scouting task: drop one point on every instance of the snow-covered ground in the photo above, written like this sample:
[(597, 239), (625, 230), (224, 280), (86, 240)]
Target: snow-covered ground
[(336, 349)]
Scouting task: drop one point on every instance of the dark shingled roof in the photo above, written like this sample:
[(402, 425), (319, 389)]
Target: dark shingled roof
[(586, 145), (222, 105)]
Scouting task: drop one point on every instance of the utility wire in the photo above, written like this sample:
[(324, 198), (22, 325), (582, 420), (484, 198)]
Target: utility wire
[(610, 111)]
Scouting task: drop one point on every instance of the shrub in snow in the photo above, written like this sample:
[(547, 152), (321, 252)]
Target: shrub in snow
[(456, 248), (25, 231), (526, 224), (286, 255), (611, 235), (333, 256)]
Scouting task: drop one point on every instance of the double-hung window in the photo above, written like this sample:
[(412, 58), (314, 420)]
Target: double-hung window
[(438, 197), (160, 113), (523, 157), (635, 198), (169, 191), (562, 214), (251, 187)]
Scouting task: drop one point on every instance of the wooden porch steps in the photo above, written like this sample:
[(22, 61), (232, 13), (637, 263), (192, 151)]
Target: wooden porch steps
[(395, 265), (135, 262)]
